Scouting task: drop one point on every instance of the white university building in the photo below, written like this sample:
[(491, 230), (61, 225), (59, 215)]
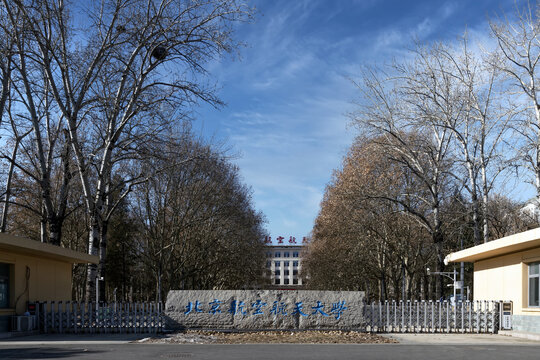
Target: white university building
[(283, 264)]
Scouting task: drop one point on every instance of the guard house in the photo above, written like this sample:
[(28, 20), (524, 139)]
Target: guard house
[(508, 269), (33, 271)]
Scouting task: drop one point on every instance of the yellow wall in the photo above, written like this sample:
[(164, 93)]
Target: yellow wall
[(50, 280), (506, 278)]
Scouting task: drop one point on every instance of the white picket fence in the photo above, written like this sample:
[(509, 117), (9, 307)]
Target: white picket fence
[(433, 316), (75, 317)]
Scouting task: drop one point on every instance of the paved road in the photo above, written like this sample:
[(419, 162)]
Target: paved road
[(271, 352), (411, 346)]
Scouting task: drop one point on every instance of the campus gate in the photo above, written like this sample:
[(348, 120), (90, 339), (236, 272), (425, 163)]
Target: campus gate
[(270, 309), (336, 310)]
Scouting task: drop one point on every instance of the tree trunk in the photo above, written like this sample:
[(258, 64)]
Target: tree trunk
[(43, 225), (439, 285), (93, 249), (55, 230), (103, 257), (3, 223)]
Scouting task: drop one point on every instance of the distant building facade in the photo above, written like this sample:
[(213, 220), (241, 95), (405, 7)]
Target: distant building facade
[(284, 263)]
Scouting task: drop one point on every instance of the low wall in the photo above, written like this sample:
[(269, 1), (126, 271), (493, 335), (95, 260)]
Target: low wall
[(264, 309), (526, 323)]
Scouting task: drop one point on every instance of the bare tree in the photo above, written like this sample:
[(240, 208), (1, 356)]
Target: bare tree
[(6, 55), (117, 78), (465, 97), (199, 229), (382, 250), (517, 56), (395, 110)]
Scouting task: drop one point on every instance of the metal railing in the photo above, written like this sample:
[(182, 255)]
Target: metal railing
[(432, 316), (75, 317)]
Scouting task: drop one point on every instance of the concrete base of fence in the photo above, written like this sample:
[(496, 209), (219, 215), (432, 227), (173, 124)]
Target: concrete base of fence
[(526, 323), (264, 309), (520, 334)]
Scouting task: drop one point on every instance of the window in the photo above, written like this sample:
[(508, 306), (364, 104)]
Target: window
[(276, 263), (295, 263), (4, 286), (534, 288), (286, 254), (268, 264), (295, 272), (286, 272), (286, 263), (277, 282), (286, 281), (295, 281), (276, 272), (277, 254), (295, 254), (268, 254)]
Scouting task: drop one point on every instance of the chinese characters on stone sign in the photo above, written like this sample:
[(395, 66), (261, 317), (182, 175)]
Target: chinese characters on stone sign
[(236, 307)]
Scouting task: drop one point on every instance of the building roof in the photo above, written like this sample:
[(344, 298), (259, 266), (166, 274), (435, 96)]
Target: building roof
[(506, 245), (287, 246), (26, 246)]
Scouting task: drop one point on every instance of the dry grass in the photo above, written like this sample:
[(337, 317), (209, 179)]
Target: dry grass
[(271, 337)]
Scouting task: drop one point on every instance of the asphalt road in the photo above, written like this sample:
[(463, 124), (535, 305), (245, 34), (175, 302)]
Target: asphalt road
[(270, 352)]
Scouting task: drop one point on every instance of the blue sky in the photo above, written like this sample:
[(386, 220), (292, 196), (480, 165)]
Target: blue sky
[(288, 96)]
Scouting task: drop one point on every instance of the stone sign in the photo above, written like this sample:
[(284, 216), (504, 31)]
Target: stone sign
[(264, 309)]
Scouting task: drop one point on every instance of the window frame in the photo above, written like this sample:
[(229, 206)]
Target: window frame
[(533, 276), (9, 281)]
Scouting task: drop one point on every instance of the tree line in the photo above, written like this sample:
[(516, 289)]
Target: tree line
[(97, 154), (440, 133)]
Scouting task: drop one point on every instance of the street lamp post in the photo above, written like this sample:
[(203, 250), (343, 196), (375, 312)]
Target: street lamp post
[(451, 275), (98, 279)]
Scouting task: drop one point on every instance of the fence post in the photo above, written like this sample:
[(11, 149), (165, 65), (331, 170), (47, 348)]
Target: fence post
[(75, 318), (380, 323), (486, 315), (395, 315), (60, 317), (386, 324), (494, 313), (425, 316), (432, 316), (462, 317), (470, 315), (439, 327), (371, 320), (114, 315), (402, 304)]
